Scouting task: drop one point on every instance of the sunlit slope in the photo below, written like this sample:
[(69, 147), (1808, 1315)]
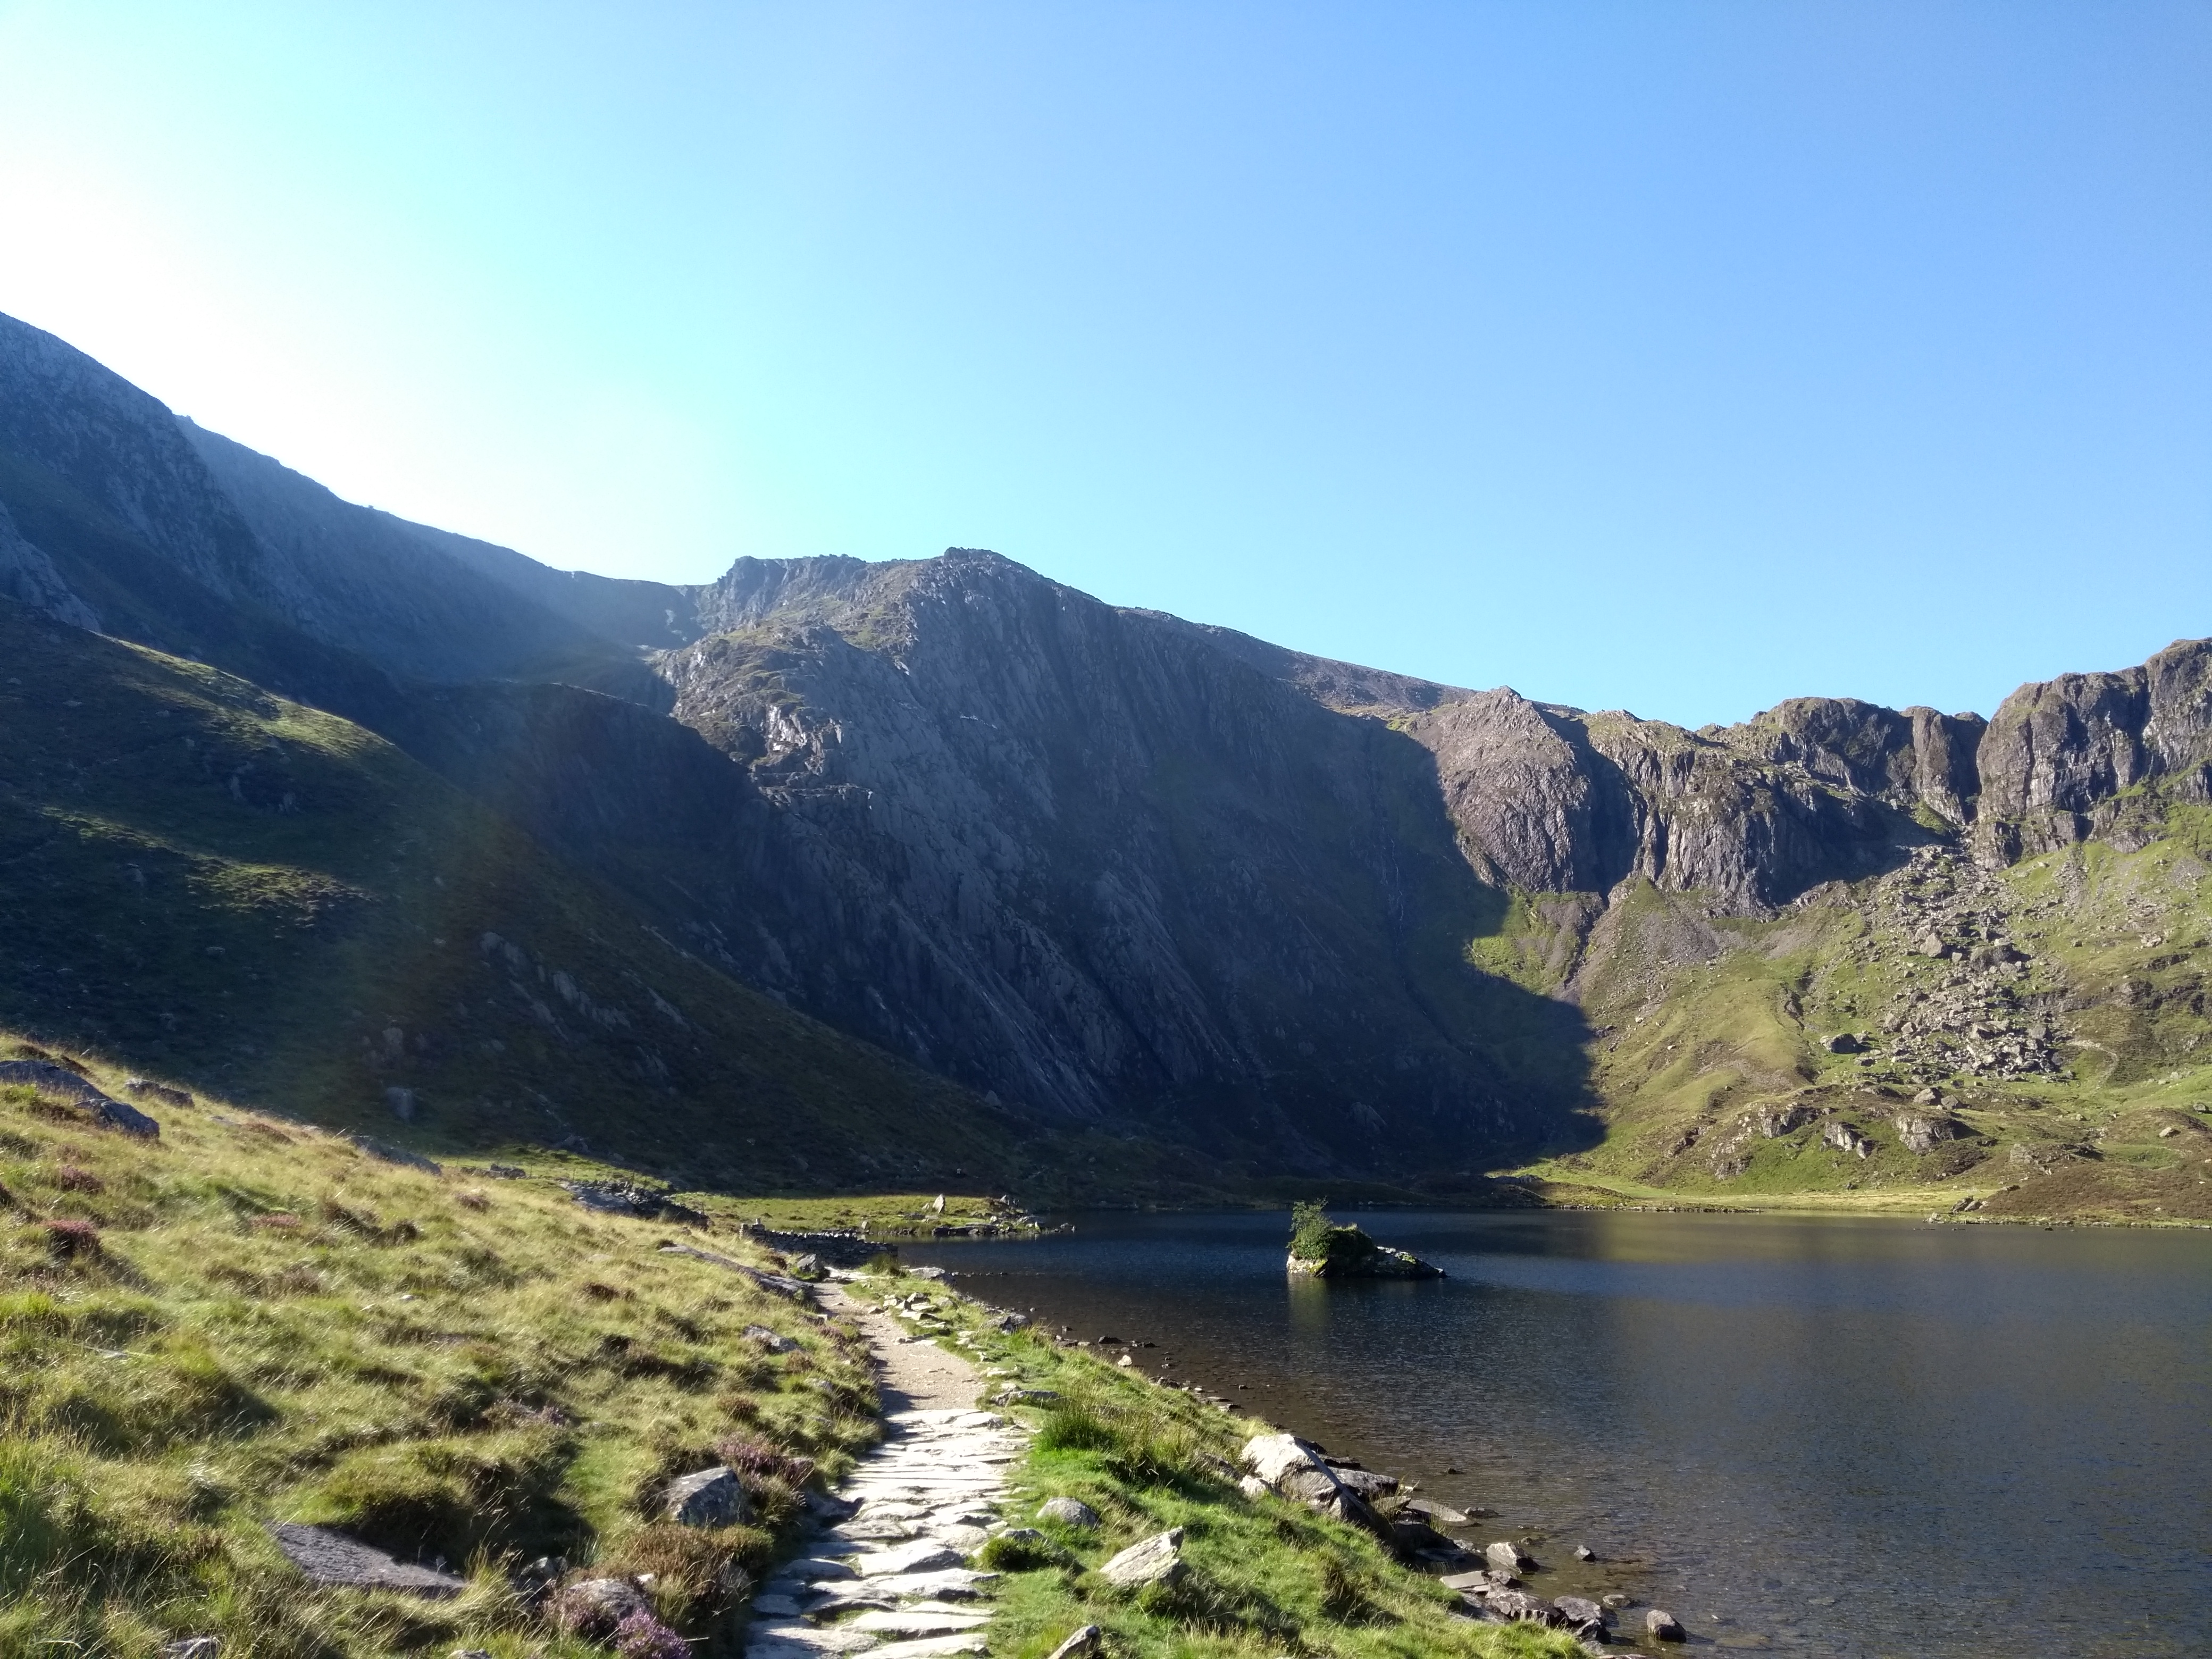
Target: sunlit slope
[(205, 879), (2030, 1040), (245, 1321)]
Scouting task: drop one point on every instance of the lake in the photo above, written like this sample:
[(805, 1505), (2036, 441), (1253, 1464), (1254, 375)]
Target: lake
[(1846, 1437)]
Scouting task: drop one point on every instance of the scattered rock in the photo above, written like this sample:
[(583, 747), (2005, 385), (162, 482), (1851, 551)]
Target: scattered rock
[(1662, 1626), (1156, 1560), (1616, 1601), (1369, 1485), (1583, 1616), (1507, 1606), (1844, 1043), (1923, 1132), (1584, 1553), (377, 1149), (1845, 1138), (1437, 1515), (332, 1557), (709, 1498), (1069, 1511), (594, 1607), (62, 1083), (1086, 1643), (776, 1284), (167, 1096), (1508, 1556), (768, 1338), (192, 1647)]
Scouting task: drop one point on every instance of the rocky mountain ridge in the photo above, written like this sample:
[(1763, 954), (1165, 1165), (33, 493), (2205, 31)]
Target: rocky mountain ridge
[(1114, 867)]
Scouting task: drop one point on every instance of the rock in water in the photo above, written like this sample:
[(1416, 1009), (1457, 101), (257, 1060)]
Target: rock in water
[(1508, 1605), (1583, 1616), (1662, 1626), (1507, 1556), (1158, 1560), (709, 1497)]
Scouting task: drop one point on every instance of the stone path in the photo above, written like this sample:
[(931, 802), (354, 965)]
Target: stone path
[(891, 1580)]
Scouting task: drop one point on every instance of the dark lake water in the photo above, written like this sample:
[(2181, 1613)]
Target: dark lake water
[(1822, 1437)]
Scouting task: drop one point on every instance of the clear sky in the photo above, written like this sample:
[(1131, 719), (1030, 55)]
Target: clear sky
[(1652, 354)]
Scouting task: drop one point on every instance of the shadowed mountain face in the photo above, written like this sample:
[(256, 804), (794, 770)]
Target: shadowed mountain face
[(1098, 864)]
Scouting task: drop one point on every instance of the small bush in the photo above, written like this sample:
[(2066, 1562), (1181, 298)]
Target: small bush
[(641, 1635), (72, 1241), (753, 1459), (1071, 1428), (1009, 1554), (71, 1179)]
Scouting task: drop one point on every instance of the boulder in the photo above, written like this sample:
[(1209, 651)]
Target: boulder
[(1844, 1043), (1411, 1536), (1662, 1626), (1369, 1485), (62, 1083), (593, 1607), (768, 1338), (1579, 1610), (167, 1096), (1922, 1131), (1436, 1515), (1508, 1605), (1156, 1560), (709, 1498), (1584, 1553), (332, 1557), (1068, 1511), (1272, 1456), (1508, 1556), (1085, 1644)]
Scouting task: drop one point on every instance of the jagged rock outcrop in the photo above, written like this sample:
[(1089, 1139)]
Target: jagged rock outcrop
[(1078, 857), (1556, 800), (2059, 754)]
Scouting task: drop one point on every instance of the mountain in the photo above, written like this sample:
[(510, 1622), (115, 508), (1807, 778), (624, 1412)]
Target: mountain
[(1156, 885)]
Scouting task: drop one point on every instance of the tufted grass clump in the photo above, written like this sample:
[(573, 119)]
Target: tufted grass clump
[(247, 1321)]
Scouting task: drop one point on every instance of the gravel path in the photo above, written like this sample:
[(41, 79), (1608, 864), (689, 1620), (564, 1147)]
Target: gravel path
[(892, 1579)]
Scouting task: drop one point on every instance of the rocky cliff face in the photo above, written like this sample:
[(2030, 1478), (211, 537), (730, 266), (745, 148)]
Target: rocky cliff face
[(1078, 857), (1102, 863)]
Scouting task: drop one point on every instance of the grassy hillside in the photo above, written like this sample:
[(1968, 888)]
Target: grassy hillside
[(250, 1321), (271, 902), (2029, 1040)]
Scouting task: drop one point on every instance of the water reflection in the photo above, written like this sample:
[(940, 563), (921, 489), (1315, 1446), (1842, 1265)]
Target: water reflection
[(1845, 1436)]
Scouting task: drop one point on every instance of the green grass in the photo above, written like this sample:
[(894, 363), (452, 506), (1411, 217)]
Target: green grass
[(1266, 1577), (1691, 1039), (249, 1320)]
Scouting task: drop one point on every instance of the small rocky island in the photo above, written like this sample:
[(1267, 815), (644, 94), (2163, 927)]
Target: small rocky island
[(1322, 1250)]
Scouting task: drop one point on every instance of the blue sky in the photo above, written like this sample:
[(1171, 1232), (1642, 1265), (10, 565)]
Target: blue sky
[(1674, 356)]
